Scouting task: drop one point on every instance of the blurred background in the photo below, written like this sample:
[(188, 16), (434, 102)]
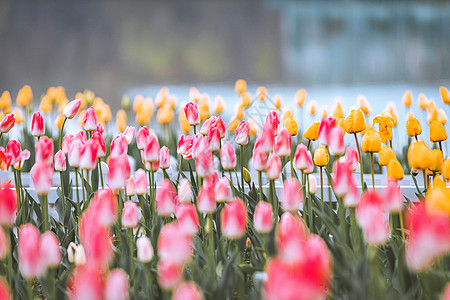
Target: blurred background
[(113, 47)]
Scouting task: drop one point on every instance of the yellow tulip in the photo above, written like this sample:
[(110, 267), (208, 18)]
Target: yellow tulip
[(390, 108), (312, 132), (442, 117), (312, 108), (371, 141), (437, 199), (138, 103), (437, 161), (240, 111), (253, 128), (355, 122), (419, 155), (240, 86), (338, 111), (278, 101), (125, 102), (437, 132), (445, 94), (246, 99), (300, 97), (218, 105), (80, 96), (385, 124), (432, 114), (203, 107), (386, 155), (324, 110), (234, 122), (18, 115), (364, 105), (446, 169), (423, 101), (321, 157), (194, 95), (261, 93), (59, 121), (46, 105), (413, 127), (5, 102), (291, 125), (407, 99), (287, 112), (184, 125), (165, 115), (395, 170), (161, 96), (25, 96), (172, 101), (121, 120), (341, 123), (89, 96)]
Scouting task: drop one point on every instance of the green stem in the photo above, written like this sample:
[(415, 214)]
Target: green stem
[(260, 186), (212, 258), (195, 129), (310, 209), (274, 200), (424, 180), (101, 172), (22, 196), (61, 133), (29, 289), (321, 187), (9, 258), (231, 183), (63, 198), (131, 248), (241, 161), (371, 168), (78, 194), (292, 162), (360, 161), (44, 208), (152, 191), (82, 186), (179, 169), (401, 225)]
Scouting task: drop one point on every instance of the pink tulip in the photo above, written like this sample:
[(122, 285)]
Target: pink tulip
[(325, 127), (263, 218), (187, 218), (198, 145), (14, 154), (141, 137), (184, 145), (86, 282), (428, 238), (100, 128), (283, 145), (170, 274), (233, 219), (140, 182), (292, 195), (184, 191), (205, 202), (67, 139), (303, 159), (88, 155), (104, 207), (5, 159), (144, 249), (272, 123), (76, 254), (204, 163), (71, 108), (5, 291), (60, 161), (259, 158), (151, 149), (37, 125), (8, 204), (343, 179), (290, 237), (74, 153), (352, 196), (372, 218), (352, 156), (119, 171), (213, 139), (116, 285), (222, 190), (266, 140), (208, 124), (90, 120), (242, 132), (221, 126), (50, 251), (42, 176), (192, 115), (165, 198), (273, 166), (336, 141), (187, 291), (129, 133), (130, 215), (174, 244), (129, 187), (119, 145), (44, 150), (101, 146), (7, 123), (393, 197), (228, 156), (164, 158), (81, 135), (30, 260), (213, 179), (4, 244)]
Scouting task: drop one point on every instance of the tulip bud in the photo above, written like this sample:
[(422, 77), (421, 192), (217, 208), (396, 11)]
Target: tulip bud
[(164, 158), (283, 145), (240, 86), (446, 170), (312, 132), (101, 146), (290, 237), (76, 254), (355, 122), (184, 191), (90, 120), (259, 158), (151, 149), (325, 127), (419, 155), (213, 139), (222, 190), (174, 244), (130, 215), (312, 184), (71, 108), (371, 217), (141, 137), (8, 204), (291, 125), (208, 124), (42, 176), (140, 182), (165, 199), (413, 127), (407, 98), (242, 132), (44, 150), (233, 219), (119, 171), (204, 163), (263, 218), (37, 125), (437, 132), (371, 141), (273, 166), (192, 114), (144, 249), (386, 155), (300, 97), (437, 161), (321, 157), (292, 195), (7, 123), (30, 260), (395, 170), (302, 159), (247, 176), (336, 143), (129, 187), (206, 200), (88, 155), (60, 161), (227, 156)]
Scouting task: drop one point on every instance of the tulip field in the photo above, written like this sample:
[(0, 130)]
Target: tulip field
[(152, 206)]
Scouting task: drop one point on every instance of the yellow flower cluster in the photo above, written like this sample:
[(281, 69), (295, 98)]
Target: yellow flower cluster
[(144, 109)]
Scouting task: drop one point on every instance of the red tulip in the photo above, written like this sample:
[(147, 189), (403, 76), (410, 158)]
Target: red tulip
[(221, 126), (104, 207), (116, 285), (233, 219), (151, 149), (303, 159), (185, 145), (7, 123), (129, 133), (42, 176), (119, 171), (8, 204), (169, 273), (272, 123), (144, 249), (140, 182), (101, 146), (88, 155), (5, 159), (290, 237), (393, 199), (165, 199), (86, 282), (222, 190), (227, 156), (67, 139), (5, 291), (74, 153), (187, 218), (325, 127), (187, 291), (242, 132), (37, 125), (141, 137), (71, 108), (4, 244), (205, 201), (372, 218), (30, 259), (283, 145), (208, 124), (273, 166), (174, 244), (50, 251), (184, 191), (60, 161), (266, 140), (292, 195), (192, 115), (90, 120), (263, 218), (44, 150), (164, 158), (119, 145), (130, 215), (213, 139), (336, 141), (259, 158)]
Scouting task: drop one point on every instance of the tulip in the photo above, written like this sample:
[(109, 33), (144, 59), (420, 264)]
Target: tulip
[(273, 167), (60, 161), (151, 149), (204, 163), (386, 155), (105, 207), (192, 114), (140, 182), (44, 150), (283, 144), (165, 199), (259, 158), (5, 160), (300, 97), (8, 204), (144, 249), (119, 145), (141, 137), (88, 155), (164, 158), (325, 127), (42, 176), (407, 99), (437, 132), (263, 218), (446, 170), (222, 190), (343, 179), (355, 122), (437, 198), (86, 282), (129, 133), (208, 124), (352, 157), (233, 219), (290, 237), (240, 86), (187, 290), (227, 156), (174, 244), (90, 120), (198, 145), (101, 146), (206, 201), (169, 273), (30, 259), (419, 155), (370, 215), (290, 124), (187, 218), (50, 251), (184, 191), (37, 125), (312, 184), (312, 132), (129, 187), (303, 160), (336, 143), (220, 124), (395, 170), (393, 198), (437, 161), (66, 142), (321, 157), (116, 286), (219, 105), (266, 140), (272, 123), (242, 132), (7, 123), (71, 108), (445, 94), (371, 141), (74, 151), (292, 195), (119, 171), (14, 155), (385, 124), (442, 117), (213, 139)]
